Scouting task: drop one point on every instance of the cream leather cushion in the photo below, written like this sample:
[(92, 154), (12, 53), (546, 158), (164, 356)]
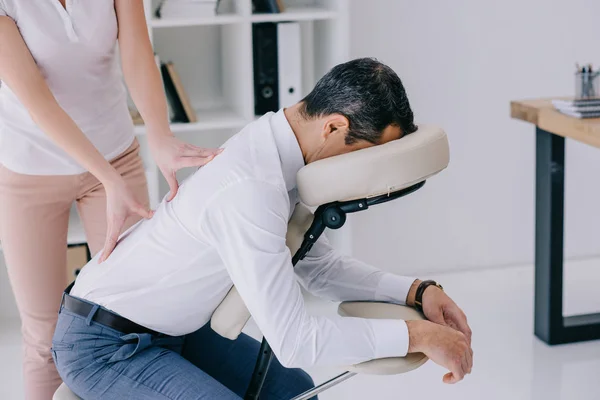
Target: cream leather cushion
[(64, 393), (373, 310), (376, 170)]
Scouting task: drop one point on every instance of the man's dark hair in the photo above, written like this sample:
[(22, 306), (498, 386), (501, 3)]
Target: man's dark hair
[(368, 93)]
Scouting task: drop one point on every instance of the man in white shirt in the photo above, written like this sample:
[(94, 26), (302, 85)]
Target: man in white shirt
[(228, 226)]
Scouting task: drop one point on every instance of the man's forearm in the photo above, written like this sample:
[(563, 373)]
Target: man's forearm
[(328, 274)]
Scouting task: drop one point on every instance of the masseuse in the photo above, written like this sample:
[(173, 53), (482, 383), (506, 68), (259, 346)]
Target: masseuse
[(66, 136)]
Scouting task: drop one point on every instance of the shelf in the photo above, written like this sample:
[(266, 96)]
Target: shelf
[(295, 14), (291, 14), (207, 120), (179, 22)]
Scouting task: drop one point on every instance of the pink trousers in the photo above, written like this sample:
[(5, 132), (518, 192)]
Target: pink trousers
[(34, 216)]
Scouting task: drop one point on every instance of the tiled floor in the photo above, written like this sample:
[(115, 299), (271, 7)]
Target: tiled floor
[(509, 362)]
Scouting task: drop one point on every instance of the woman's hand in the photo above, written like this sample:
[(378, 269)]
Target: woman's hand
[(147, 91), (171, 155), (120, 204)]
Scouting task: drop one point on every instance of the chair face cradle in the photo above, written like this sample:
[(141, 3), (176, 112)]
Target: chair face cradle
[(337, 186)]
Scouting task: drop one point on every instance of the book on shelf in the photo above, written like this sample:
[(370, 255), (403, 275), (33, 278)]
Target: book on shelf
[(158, 66), (281, 6), (176, 95), (181, 9), (136, 117), (266, 6)]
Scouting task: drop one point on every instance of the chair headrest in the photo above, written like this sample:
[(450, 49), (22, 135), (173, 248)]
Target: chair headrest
[(376, 170)]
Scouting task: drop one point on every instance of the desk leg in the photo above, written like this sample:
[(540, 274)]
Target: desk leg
[(550, 325), (550, 185)]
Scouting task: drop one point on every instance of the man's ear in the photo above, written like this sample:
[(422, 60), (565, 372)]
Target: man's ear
[(335, 124)]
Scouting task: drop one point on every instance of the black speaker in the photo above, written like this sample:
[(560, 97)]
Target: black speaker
[(266, 72)]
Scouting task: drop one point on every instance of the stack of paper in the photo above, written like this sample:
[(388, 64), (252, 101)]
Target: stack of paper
[(188, 8), (582, 108)]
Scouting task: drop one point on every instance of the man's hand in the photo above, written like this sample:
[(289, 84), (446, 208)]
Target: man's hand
[(443, 345), (446, 337), (441, 309)]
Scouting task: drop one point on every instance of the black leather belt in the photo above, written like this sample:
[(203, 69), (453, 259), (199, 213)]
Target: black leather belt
[(102, 316)]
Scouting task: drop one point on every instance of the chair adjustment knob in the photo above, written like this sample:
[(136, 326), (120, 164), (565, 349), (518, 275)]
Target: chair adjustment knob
[(334, 218)]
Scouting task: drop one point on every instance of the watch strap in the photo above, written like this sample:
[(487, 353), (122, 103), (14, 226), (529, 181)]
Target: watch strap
[(421, 289)]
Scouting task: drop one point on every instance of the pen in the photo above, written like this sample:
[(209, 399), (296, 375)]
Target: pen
[(583, 82)]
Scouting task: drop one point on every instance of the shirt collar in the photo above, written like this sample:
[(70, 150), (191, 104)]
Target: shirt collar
[(290, 154)]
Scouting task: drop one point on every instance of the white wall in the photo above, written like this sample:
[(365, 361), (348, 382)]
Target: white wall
[(462, 61)]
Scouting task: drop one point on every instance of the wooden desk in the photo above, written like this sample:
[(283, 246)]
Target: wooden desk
[(552, 128)]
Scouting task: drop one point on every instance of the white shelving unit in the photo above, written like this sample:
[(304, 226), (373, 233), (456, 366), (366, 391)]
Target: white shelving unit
[(213, 57)]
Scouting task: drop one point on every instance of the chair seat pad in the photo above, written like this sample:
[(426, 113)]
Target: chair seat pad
[(64, 393), (373, 310), (376, 170)]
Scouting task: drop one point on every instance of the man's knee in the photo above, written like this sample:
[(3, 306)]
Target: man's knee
[(303, 382)]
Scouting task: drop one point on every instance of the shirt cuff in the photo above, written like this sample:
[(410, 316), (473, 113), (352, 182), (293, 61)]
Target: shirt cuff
[(391, 337), (393, 288)]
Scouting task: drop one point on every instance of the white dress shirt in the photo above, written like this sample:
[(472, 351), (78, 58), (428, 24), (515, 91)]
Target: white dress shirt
[(75, 50), (227, 225)]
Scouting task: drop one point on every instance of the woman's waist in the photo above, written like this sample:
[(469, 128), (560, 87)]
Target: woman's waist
[(108, 131), (87, 107), (31, 152)]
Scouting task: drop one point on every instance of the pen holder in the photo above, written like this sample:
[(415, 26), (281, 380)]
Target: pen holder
[(586, 85)]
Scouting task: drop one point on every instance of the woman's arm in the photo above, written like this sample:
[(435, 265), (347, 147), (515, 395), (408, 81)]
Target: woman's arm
[(145, 86), (19, 71), (139, 67)]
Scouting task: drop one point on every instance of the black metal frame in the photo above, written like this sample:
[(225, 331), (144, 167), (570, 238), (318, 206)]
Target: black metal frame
[(333, 216), (550, 324)]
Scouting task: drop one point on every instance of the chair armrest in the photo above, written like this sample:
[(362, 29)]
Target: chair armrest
[(376, 310), (230, 316)]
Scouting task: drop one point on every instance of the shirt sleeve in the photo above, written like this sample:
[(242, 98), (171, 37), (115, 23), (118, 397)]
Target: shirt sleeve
[(328, 274), (247, 224)]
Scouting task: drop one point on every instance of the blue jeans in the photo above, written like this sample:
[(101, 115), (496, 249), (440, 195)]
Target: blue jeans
[(98, 362)]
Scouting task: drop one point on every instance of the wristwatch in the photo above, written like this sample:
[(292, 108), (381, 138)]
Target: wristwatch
[(421, 289)]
